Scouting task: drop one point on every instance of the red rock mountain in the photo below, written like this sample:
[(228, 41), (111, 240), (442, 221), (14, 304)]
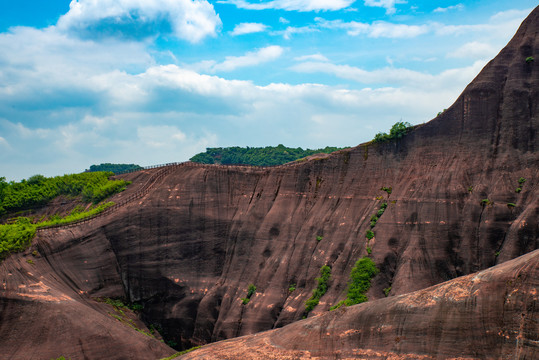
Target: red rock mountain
[(189, 248)]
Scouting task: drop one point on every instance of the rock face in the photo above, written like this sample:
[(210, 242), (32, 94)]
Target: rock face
[(190, 247), (487, 315)]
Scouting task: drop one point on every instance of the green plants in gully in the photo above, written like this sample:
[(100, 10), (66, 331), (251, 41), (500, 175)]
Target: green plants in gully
[(17, 232)]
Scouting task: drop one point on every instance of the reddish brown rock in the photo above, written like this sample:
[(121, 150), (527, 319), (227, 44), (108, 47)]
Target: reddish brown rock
[(492, 314), (189, 248)]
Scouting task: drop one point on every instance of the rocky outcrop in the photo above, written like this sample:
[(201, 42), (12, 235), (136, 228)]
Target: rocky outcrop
[(487, 315), (189, 247)]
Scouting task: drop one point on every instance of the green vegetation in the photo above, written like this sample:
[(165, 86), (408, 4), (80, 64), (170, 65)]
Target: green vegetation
[(16, 237), (321, 288), (258, 156), (529, 59), (319, 238), (518, 189), (115, 168), (369, 250), (441, 112), (360, 282), (486, 202), (511, 205), (521, 181), (181, 353), (397, 131), (470, 189), (251, 289), (369, 234), (292, 288), (60, 358), (121, 305), (388, 190), (39, 190), (30, 261), (386, 291)]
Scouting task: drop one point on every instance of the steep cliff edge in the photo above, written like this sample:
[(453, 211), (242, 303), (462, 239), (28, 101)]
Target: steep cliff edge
[(189, 248)]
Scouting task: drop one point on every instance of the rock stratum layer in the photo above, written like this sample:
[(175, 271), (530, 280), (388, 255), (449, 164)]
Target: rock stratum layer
[(189, 248)]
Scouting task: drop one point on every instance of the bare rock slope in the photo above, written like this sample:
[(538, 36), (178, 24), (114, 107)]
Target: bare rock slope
[(487, 315), (188, 249)]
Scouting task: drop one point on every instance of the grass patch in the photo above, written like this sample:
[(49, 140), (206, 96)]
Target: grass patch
[(319, 238)]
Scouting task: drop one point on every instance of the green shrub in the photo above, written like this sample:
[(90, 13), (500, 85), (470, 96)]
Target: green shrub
[(369, 250), (369, 234), (251, 289), (397, 131), (470, 189), (521, 181), (485, 202), (292, 288), (360, 281), (386, 291), (518, 190), (511, 205), (388, 190), (529, 59), (319, 238), (245, 301), (320, 290)]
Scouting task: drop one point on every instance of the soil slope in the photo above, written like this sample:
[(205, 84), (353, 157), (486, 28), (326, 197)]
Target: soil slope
[(188, 249)]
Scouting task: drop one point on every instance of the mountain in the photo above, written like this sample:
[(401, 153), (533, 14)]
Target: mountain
[(195, 237)]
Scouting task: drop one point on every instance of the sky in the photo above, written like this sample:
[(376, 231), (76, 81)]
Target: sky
[(157, 81)]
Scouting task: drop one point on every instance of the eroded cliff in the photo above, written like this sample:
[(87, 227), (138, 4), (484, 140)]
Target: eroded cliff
[(188, 249)]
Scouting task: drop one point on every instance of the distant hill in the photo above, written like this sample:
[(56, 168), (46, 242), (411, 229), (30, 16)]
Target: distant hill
[(115, 168), (257, 156)]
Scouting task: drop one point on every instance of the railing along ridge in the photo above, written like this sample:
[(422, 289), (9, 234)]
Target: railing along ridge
[(220, 166), (145, 189)]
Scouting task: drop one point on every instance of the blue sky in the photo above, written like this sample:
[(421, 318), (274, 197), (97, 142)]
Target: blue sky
[(156, 81)]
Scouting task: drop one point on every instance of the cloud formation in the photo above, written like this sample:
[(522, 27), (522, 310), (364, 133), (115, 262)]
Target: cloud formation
[(389, 5), (452, 7), (248, 28), (291, 5), (232, 63), (378, 29), (186, 19)]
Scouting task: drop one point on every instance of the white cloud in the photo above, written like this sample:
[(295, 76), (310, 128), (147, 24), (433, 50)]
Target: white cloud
[(188, 19), (389, 5), (452, 7), (313, 57), (248, 28), (282, 20), (291, 30), (160, 136), (291, 5), (453, 78), (378, 29), (474, 50), (231, 63)]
